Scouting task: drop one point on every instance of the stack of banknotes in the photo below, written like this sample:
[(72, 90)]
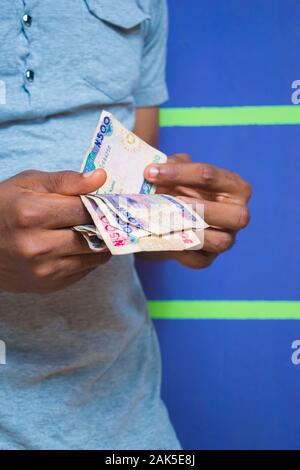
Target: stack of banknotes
[(128, 216)]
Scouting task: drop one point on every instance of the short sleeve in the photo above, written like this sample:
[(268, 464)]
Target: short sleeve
[(152, 87)]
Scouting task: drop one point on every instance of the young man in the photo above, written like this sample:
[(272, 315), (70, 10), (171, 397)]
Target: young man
[(83, 364)]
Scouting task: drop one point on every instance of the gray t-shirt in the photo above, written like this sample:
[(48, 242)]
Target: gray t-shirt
[(83, 364)]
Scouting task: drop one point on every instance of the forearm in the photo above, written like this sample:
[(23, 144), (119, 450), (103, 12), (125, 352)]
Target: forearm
[(147, 125)]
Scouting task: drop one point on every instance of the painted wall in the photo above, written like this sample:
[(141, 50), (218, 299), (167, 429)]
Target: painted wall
[(230, 383)]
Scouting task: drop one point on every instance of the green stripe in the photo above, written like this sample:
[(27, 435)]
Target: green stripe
[(230, 116), (224, 310)]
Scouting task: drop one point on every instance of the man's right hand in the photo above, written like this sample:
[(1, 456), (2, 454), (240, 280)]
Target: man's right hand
[(38, 250)]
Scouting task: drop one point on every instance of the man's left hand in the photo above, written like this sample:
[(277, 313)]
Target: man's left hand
[(224, 195)]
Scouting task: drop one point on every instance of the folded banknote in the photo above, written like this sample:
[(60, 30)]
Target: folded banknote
[(128, 216)]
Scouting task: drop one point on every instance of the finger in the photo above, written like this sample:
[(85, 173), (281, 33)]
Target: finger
[(68, 183), (220, 214), (52, 245), (66, 242), (194, 259), (191, 192), (229, 216), (52, 211), (216, 241), (202, 175), (185, 190), (177, 158), (72, 183)]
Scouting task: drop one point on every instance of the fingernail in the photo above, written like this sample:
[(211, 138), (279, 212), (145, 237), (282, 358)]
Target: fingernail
[(153, 171)]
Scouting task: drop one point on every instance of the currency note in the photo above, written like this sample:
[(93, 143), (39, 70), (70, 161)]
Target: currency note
[(123, 238), (115, 220), (123, 156), (93, 237), (128, 216), (158, 214)]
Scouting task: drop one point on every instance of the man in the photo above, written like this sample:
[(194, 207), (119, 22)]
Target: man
[(83, 365)]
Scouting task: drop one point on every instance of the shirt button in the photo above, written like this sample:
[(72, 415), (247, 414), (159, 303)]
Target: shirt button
[(29, 75), (27, 20)]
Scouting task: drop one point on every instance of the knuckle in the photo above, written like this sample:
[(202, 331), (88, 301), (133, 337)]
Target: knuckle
[(58, 179), (26, 248), (173, 172), (207, 173), (43, 271), (244, 217), (28, 173), (25, 215), (223, 242)]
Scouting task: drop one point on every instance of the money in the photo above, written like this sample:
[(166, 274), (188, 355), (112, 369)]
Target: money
[(123, 156), (159, 215), (92, 237), (123, 237), (128, 216)]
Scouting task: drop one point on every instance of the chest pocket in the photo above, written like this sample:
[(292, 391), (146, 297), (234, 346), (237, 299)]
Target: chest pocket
[(113, 38)]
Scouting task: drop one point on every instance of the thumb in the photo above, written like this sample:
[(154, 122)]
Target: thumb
[(72, 183)]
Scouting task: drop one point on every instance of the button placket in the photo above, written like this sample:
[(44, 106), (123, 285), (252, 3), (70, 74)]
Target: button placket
[(27, 21)]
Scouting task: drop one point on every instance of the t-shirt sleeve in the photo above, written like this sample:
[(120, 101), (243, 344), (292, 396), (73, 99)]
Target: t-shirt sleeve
[(152, 88)]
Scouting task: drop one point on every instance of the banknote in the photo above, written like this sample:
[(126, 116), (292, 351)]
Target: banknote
[(121, 214), (123, 156), (115, 220), (89, 229), (92, 237), (94, 243), (128, 216), (115, 238), (121, 241), (158, 214)]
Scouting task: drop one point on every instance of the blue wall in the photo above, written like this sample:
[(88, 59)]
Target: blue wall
[(231, 383)]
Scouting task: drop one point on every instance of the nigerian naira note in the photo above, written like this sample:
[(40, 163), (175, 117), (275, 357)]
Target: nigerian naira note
[(123, 156)]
